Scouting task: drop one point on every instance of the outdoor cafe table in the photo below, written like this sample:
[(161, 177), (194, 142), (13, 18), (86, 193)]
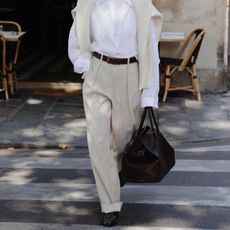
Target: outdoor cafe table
[(172, 37), (169, 38), (12, 37)]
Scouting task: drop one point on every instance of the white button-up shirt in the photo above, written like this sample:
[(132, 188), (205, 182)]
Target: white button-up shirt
[(114, 33)]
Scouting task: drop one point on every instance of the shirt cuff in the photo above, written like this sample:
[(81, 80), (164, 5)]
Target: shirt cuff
[(81, 65), (149, 102)]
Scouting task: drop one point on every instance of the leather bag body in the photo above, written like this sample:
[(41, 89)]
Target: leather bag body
[(148, 157)]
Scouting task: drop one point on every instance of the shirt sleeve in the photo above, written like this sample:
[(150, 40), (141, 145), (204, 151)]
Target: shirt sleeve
[(80, 63), (149, 95)]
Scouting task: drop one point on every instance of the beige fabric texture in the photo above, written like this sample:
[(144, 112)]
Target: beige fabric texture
[(112, 108), (145, 12)]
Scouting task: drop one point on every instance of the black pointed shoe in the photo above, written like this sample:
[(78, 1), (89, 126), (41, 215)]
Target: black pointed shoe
[(109, 219)]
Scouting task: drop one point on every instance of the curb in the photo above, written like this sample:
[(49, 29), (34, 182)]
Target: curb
[(39, 146), (192, 143), (209, 142)]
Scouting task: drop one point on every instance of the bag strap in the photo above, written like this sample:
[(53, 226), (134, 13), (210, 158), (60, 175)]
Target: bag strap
[(151, 115), (142, 121), (149, 111)]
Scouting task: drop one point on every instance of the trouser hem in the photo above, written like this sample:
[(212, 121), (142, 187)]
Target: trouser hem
[(114, 207)]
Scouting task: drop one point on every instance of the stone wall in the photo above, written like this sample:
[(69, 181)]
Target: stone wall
[(185, 16)]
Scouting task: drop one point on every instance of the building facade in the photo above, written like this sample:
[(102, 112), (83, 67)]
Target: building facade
[(187, 15), (48, 27)]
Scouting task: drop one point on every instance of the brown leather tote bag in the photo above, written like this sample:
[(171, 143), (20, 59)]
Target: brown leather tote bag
[(148, 156)]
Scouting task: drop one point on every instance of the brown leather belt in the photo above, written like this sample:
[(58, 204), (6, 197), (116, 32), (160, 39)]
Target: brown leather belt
[(115, 61)]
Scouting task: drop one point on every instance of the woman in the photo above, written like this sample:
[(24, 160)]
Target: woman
[(114, 43)]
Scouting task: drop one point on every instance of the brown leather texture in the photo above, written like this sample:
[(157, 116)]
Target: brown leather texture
[(115, 61), (148, 157)]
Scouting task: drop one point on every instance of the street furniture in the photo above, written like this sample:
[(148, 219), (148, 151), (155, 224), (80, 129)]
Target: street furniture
[(185, 63)]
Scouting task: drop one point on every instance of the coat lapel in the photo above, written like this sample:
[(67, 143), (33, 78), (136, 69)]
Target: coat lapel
[(144, 44), (83, 13), (145, 12), (142, 19)]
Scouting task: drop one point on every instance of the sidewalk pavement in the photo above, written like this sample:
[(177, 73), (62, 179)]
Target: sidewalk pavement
[(32, 120)]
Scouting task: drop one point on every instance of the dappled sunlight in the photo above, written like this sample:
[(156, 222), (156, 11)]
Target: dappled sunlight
[(202, 166), (30, 133), (211, 116), (17, 176), (198, 150), (193, 216), (67, 136), (190, 120), (217, 125), (69, 196), (59, 184), (47, 152), (169, 108), (223, 226), (192, 104), (75, 123), (77, 196), (225, 107), (193, 211), (30, 162), (48, 192), (48, 133), (178, 131), (33, 101), (69, 210), (172, 220), (44, 163)]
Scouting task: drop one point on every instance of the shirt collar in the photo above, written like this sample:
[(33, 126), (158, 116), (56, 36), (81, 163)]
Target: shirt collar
[(129, 2)]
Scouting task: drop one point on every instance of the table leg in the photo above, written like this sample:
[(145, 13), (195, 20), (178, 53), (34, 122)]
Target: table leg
[(12, 78)]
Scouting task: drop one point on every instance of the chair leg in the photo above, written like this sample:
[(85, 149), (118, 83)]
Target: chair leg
[(5, 87), (15, 82), (162, 80), (167, 85), (11, 79), (196, 87)]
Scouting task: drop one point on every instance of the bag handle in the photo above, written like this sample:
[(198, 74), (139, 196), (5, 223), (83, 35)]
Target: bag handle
[(152, 118), (151, 114)]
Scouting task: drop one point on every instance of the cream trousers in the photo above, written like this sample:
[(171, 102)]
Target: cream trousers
[(112, 108)]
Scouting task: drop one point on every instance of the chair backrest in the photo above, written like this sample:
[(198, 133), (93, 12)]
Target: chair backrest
[(2, 56), (194, 40), (10, 26), (12, 48)]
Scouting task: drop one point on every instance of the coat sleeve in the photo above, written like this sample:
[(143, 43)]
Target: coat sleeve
[(80, 63), (149, 95)]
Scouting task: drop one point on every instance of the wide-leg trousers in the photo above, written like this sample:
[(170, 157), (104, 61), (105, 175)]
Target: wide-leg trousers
[(112, 107)]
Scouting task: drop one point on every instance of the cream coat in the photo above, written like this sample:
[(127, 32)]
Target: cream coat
[(145, 12)]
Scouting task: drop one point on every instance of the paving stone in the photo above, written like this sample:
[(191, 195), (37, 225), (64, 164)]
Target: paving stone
[(75, 100), (62, 116), (54, 120), (65, 123), (67, 108)]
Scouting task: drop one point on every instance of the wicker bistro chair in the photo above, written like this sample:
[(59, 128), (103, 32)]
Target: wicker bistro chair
[(184, 63), (3, 69), (12, 53)]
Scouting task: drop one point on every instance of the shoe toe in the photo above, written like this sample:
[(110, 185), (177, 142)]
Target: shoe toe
[(109, 219)]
